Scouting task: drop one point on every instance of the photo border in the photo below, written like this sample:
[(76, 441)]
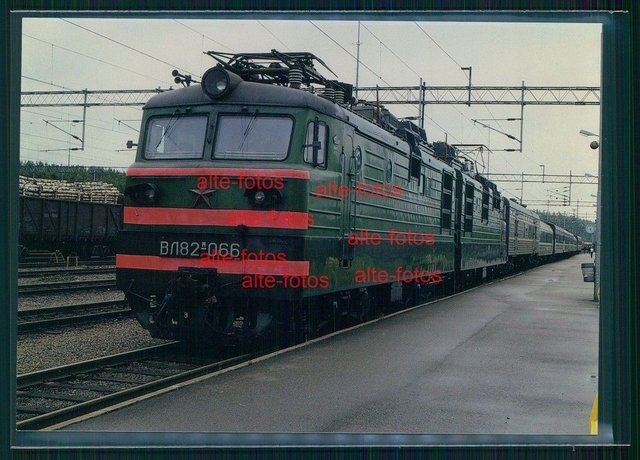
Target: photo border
[(618, 371)]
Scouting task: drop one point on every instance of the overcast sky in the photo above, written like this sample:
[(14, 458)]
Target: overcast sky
[(141, 53)]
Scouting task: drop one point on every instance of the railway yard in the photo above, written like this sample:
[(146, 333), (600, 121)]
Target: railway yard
[(61, 322), (517, 355)]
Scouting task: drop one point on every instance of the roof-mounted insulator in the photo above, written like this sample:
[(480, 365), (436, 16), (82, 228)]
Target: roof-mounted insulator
[(328, 93), (338, 96), (295, 77)]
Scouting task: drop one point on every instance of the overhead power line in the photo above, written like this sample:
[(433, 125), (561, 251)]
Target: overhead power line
[(93, 58), (389, 87), (349, 53), (414, 71), (273, 35), (437, 44), (204, 35), (461, 68), (127, 46), (47, 83), (391, 51)]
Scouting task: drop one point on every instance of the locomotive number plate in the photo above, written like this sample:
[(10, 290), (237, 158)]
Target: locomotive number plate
[(198, 248)]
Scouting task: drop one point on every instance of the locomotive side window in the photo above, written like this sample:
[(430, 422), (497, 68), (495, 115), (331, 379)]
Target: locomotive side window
[(468, 209), (415, 166), (317, 134), (447, 199), (175, 137), (485, 206), (388, 175), (253, 137)]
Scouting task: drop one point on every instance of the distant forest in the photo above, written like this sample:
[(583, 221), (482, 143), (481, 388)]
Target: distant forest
[(73, 173), (573, 224)]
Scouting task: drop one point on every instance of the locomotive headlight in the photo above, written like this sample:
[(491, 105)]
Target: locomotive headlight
[(264, 198), (150, 194), (142, 193), (259, 197), (221, 85), (216, 82)]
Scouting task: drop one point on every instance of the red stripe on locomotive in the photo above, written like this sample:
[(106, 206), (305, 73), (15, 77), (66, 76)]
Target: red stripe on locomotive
[(217, 217), (235, 267)]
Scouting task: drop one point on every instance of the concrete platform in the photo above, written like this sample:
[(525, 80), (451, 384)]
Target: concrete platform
[(518, 356)]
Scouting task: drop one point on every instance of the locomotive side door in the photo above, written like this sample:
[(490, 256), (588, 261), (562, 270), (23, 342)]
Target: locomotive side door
[(349, 179)]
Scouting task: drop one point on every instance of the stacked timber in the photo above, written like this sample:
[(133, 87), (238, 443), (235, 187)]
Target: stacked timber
[(101, 192), (97, 191)]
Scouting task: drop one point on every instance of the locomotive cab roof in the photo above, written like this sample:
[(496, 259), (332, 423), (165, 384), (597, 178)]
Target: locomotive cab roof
[(247, 93), (284, 80)]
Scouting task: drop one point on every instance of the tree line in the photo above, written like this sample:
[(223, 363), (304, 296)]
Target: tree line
[(573, 224)]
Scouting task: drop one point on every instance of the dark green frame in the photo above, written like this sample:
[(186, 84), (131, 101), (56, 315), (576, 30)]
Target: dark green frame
[(618, 371)]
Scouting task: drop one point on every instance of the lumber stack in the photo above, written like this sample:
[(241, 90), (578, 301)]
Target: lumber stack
[(101, 192)]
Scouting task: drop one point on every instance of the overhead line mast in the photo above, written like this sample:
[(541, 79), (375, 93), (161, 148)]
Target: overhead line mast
[(357, 62)]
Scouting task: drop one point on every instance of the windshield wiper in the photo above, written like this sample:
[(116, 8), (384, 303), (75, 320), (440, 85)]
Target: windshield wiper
[(248, 129), (172, 122)]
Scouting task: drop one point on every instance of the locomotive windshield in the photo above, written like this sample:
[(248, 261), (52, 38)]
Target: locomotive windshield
[(253, 137), (175, 137)]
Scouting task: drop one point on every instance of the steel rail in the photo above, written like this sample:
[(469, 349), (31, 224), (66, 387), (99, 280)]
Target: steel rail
[(55, 375), (68, 315), (27, 264), (33, 273), (64, 286)]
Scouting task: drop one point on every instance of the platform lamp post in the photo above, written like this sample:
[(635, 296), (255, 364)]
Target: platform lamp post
[(596, 262)]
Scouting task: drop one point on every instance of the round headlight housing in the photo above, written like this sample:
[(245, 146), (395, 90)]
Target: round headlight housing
[(259, 197), (217, 82), (145, 193), (150, 194)]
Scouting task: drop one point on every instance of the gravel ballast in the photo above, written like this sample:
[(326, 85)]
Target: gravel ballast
[(38, 351), (32, 302), (66, 278)]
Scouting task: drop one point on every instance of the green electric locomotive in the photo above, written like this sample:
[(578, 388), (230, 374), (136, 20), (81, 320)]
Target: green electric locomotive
[(268, 204)]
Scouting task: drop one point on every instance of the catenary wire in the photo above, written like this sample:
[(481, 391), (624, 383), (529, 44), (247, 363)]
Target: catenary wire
[(127, 46), (93, 58)]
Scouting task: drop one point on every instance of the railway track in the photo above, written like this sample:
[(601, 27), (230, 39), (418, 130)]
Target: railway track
[(84, 263), (49, 397), (35, 273), (69, 315), (65, 286)]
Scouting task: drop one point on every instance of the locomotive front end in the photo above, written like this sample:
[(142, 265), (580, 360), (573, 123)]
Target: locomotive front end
[(214, 215)]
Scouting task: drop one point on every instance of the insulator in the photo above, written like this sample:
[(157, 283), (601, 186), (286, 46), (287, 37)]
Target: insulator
[(295, 77), (338, 96), (328, 93)]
